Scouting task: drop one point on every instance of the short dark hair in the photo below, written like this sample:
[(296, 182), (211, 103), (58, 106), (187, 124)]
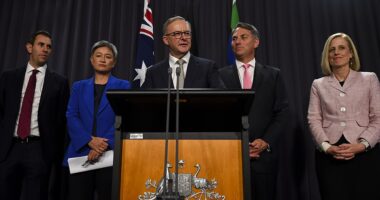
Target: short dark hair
[(104, 43), (39, 32), (249, 27)]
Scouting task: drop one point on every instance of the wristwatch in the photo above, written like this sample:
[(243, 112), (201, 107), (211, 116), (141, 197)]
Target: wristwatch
[(365, 143)]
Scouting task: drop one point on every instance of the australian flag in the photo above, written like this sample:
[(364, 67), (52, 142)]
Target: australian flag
[(145, 46)]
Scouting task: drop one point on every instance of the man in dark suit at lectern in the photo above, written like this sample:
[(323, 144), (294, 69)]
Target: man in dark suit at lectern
[(33, 102), (195, 72), (267, 117)]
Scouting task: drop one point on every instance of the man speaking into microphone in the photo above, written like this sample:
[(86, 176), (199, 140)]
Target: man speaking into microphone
[(195, 72)]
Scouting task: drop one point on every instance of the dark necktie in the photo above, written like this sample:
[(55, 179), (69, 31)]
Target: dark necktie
[(23, 129), (181, 77)]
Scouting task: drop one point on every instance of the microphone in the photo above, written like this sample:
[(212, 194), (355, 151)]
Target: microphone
[(166, 172), (178, 72), (168, 194)]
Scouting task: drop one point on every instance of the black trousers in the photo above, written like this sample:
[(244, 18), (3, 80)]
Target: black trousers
[(264, 176), (90, 185), (263, 186), (24, 174), (349, 179)]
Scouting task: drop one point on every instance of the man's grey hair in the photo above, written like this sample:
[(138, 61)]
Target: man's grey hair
[(171, 20)]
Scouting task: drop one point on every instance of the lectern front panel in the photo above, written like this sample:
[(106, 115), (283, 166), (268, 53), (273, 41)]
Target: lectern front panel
[(219, 159)]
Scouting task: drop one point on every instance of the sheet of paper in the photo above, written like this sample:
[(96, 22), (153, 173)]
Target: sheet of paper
[(76, 164)]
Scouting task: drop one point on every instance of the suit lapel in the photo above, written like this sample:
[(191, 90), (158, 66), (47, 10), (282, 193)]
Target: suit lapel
[(191, 72), (88, 95), (18, 83), (46, 87), (235, 77), (335, 83), (258, 77), (104, 101), (20, 75), (163, 74), (351, 78)]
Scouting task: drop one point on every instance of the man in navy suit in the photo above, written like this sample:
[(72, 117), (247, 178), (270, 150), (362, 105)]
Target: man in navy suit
[(197, 72), (267, 117), (31, 134)]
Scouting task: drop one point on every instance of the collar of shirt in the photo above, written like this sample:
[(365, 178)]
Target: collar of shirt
[(240, 64), (41, 70), (240, 69), (173, 64), (40, 77)]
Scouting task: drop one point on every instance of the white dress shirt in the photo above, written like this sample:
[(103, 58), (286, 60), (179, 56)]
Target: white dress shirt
[(40, 76), (173, 64)]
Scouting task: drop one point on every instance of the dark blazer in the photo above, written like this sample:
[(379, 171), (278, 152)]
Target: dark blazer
[(80, 113), (51, 112), (268, 114), (201, 73)]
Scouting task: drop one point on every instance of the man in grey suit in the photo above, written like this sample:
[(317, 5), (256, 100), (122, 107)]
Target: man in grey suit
[(268, 114), (195, 72), (33, 103)]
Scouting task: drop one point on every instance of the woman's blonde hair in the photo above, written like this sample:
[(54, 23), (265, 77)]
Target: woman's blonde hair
[(354, 61)]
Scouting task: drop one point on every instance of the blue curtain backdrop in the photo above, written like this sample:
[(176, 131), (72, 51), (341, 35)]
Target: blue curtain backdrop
[(293, 33)]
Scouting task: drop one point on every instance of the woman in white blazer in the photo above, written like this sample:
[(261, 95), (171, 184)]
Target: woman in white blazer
[(344, 119)]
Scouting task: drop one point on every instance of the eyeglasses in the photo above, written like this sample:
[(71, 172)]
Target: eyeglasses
[(179, 34)]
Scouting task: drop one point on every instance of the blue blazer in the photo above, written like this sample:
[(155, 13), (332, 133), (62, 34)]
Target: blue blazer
[(80, 113)]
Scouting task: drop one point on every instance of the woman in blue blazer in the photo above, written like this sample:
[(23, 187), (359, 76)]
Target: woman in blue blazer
[(90, 121)]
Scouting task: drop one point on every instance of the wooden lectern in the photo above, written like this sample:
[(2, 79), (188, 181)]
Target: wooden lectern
[(211, 134)]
